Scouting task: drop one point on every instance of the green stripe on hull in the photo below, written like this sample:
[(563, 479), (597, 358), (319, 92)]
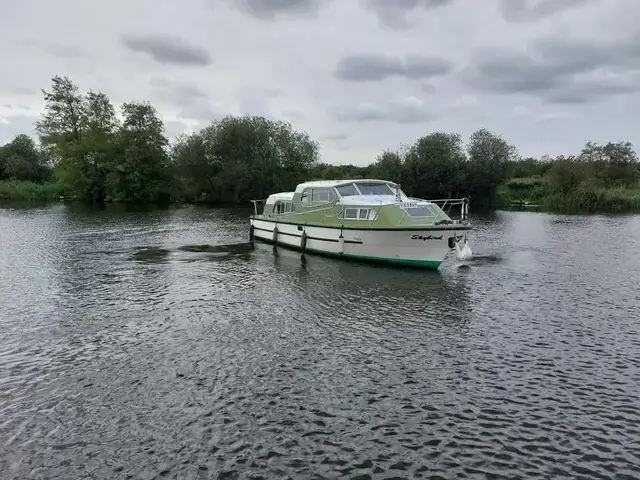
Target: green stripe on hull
[(404, 262)]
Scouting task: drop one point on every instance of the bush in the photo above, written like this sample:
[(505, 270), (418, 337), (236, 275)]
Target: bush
[(24, 190)]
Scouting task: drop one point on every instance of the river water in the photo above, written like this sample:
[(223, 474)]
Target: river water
[(159, 344)]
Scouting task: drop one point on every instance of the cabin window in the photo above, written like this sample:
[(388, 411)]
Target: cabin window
[(283, 206), (350, 213), (422, 211), (358, 214), (375, 189), (311, 196), (347, 190)]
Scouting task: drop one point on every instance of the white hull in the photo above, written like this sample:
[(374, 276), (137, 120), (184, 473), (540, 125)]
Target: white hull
[(418, 247)]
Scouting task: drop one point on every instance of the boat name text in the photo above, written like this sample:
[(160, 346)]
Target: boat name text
[(423, 238)]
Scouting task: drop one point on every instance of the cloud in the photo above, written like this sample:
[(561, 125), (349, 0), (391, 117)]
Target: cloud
[(559, 69), (404, 110), (293, 115), (14, 107), (188, 98), (10, 126), (393, 13), (56, 49), (533, 10), (335, 69), (335, 137), (522, 112), (428, 88), (271, 9), (593, 88), (377, 67), (256, 100), (168, 49), (173, 128), (179, 92), (65, 51), (555, 116)]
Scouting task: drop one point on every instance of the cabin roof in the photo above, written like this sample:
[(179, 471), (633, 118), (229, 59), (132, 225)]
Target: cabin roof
[(281, 196), (337, 183)]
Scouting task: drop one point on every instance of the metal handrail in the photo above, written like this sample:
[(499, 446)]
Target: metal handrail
[(255, 205), (463, 202)]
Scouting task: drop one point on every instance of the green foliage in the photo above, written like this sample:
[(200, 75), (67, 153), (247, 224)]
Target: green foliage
[(567, 173), (139, 170), (325, 171), (27, 190), (388, 165), (236, 159), (434, 166), (21, 159), (77, 131), (88, 152), (614, 164), (98, 157), (601, 177), (529, 167), (488, 165)]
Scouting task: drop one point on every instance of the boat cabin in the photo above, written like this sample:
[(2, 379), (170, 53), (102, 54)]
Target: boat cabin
[(350, 200)]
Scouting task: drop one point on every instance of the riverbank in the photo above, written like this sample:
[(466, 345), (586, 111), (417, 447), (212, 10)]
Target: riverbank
[(537, 193), (19, 190), (531, 193)]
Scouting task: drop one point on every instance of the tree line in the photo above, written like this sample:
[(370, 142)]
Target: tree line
[(88, 152)]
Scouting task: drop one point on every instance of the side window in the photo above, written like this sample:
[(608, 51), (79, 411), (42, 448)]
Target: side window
[(282, 206), (350, 213), (305, 198), (358, 214), (316, 196), (422, 211), (320, 195)]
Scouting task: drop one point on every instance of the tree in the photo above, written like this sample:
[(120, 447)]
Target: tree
[(433, 166), (488, 165), (529, 167), (86, 165), (616, 164), (139, 169), (235, 159), (78, 132), (61, 126), (21, 159), (388, 165), (567, 173), (194, 168)]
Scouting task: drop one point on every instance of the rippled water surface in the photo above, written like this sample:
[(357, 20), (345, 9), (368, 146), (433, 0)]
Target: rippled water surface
[(159, 344)]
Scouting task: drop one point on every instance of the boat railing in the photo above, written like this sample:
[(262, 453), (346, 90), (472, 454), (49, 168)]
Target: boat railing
[(447, 204), (258, 206)]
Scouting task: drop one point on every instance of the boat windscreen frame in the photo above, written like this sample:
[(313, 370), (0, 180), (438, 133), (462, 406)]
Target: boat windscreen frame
[(354, 183)]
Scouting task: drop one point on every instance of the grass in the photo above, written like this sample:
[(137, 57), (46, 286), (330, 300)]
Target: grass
[(584, 197), (24, 190)]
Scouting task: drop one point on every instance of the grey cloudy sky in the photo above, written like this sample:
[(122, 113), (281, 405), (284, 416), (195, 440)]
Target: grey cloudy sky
[(358, 75)]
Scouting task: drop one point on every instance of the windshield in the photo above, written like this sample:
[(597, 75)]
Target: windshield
[(347, 190), (375, 189)]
